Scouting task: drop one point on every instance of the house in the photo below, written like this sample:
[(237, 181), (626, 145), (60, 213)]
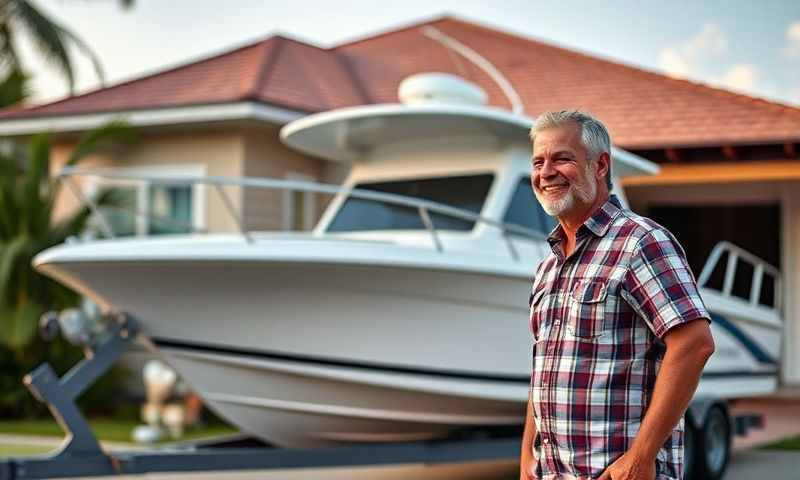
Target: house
[(730, 168)]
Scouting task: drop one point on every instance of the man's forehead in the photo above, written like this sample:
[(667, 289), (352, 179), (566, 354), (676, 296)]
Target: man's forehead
[(562, 137)]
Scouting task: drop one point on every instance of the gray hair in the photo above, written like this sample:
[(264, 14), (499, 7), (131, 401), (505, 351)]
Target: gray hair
[(594, 135)]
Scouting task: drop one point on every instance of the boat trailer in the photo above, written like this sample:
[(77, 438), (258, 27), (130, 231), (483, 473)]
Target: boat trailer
[(81, 454)]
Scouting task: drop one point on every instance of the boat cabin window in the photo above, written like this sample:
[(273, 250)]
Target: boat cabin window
[(526, 211), (466, 192)]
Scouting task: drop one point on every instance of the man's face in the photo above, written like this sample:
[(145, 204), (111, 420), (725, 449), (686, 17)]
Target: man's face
[(563, 180)]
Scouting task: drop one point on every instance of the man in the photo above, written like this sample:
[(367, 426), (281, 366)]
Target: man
[(617, 350)]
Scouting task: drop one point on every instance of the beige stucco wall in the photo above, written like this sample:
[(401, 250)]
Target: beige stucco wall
[(266, 156), (218, 153)]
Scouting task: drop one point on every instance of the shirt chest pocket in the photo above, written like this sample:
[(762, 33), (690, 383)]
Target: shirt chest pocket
[(586, 309)]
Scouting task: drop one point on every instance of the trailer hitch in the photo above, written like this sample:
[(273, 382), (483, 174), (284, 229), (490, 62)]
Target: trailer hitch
[(80, 453)]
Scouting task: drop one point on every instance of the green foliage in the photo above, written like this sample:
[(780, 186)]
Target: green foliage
[(791, 444), (51, 40), (108, 430), (27, 198), (13, 88)]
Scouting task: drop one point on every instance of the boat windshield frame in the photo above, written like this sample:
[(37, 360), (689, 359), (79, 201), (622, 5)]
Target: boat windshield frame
[(424, 207)]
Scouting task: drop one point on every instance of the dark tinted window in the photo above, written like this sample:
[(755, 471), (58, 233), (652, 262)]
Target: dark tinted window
[(526, 211), (467, 193)]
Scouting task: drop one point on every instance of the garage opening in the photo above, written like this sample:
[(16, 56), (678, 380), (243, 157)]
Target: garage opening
[(755, 228)]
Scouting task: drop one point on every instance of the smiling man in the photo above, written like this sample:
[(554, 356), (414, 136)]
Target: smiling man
[(617, 350)]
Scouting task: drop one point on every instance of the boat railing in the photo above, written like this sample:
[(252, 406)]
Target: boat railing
[(734, 258), (423, 207)]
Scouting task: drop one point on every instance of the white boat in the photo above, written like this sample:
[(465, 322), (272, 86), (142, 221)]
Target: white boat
[(396, 318)]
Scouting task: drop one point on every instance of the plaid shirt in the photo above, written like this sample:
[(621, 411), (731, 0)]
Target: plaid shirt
[(597, 319)]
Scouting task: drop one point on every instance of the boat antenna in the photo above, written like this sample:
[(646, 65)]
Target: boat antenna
[(479, 61)]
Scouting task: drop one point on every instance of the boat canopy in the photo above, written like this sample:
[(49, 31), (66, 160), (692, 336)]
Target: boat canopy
[(349, 134)]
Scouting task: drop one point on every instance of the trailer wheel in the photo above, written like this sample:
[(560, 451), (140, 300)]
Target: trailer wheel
[(708, 449)]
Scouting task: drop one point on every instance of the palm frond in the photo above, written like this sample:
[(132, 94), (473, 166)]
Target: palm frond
[(33, 183), (19, 326), (8, 48), (12, 254), (46, 35), (8, 220), (116, 131), (86, 50), (14, 87)]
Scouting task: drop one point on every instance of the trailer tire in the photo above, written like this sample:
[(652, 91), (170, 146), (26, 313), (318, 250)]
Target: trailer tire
[(708, 448)]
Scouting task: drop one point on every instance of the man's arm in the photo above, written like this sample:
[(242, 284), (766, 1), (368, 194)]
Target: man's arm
[(526, 456), (688, 348)]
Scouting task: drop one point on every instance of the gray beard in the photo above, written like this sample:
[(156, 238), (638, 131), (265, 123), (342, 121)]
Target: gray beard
[(586, 192)]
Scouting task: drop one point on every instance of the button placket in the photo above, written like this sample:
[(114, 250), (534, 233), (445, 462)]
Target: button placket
[(549, 363)]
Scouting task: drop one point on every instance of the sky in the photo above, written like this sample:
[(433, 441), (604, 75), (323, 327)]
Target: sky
[(746, 46)]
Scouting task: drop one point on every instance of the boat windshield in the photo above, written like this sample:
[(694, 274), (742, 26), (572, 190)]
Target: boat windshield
[(465, 192), (525, 211)]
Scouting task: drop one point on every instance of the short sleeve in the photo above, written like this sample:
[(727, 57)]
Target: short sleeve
[(659, 284)]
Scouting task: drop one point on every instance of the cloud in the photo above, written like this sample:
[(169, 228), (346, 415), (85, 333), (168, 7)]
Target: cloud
[(674, 63), (792, 49), (705, 57), (741, 77), (682, 60)]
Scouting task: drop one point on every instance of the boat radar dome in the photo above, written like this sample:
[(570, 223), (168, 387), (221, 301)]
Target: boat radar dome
[(440, 88)]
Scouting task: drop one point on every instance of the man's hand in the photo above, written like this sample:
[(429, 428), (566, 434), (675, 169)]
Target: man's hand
[(630, 467)]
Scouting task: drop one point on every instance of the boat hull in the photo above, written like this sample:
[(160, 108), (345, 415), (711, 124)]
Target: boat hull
[(314, 354), (310, 355)]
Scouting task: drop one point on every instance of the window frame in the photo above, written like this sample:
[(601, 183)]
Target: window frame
[(288, 204), (142, 227)]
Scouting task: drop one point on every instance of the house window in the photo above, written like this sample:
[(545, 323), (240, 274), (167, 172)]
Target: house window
[(170, 208), (142, 208), (298, 206)]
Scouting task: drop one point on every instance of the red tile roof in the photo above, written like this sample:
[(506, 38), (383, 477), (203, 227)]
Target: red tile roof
[(642, 109)]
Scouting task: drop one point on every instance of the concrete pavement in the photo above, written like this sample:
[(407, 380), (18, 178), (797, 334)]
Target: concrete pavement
[(764, 465)]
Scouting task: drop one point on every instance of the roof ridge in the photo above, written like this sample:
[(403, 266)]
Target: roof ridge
[(268, 60), (347, 65), (395, 29), (639, 70)]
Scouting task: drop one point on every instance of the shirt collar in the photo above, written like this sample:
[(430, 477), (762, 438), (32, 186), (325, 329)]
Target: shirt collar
[(598, 223)]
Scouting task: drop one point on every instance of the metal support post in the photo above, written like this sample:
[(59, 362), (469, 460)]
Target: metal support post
[(80, 454)]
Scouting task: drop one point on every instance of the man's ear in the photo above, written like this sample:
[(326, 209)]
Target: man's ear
[(603, 162)]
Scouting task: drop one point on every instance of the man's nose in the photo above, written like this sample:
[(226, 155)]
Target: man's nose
[(547, 169)]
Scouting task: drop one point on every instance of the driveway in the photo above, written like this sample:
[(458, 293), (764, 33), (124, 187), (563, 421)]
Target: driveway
[(763, 465)]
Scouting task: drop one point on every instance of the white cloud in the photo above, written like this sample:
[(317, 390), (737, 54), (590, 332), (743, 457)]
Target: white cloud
[(682, 60), (705, 57), (792, 49), (674, 63), (741, 77)]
